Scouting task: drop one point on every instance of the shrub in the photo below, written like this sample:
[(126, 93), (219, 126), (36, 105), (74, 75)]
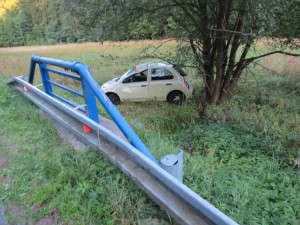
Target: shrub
[(52, 41)]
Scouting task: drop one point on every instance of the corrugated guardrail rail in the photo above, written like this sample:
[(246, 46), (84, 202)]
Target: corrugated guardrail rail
[(133, 158)]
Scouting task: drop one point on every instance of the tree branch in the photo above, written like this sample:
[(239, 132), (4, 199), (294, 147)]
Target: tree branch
[(188, 14), (234, 32), (149, 10), (271, 53)]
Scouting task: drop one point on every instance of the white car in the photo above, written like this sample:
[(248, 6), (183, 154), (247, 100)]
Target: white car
[(149, 81)]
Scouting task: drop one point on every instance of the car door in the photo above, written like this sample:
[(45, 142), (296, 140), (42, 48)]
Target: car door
[(161, 83), (135, 87)]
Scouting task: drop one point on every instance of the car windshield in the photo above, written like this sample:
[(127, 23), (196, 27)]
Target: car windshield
[(180, 71), (128, 72), (125, 74)]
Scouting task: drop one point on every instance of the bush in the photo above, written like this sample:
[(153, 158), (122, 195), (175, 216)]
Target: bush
[(238, 171), (52, 41), (267, 115)]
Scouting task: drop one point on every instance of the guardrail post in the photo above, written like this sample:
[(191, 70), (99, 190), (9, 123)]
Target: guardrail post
[(31, 71), (45, 78), (90, 101), (173, 164)]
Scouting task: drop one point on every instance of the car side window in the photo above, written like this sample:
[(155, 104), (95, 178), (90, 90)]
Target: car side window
[(161, 74), (137, 77)]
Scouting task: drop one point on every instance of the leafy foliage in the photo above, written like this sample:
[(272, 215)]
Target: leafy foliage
[(51, 21), (7, 5), (213, 36), (41, 22)]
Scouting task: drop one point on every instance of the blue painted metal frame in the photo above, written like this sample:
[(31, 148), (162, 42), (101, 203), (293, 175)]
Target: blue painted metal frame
[(91, 91), (45, 78), (65, 88)]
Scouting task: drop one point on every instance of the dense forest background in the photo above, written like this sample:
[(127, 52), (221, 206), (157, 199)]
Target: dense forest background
[(38, 22)]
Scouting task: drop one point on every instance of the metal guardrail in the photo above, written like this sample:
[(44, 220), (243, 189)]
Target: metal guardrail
[(91, 91), (181, 202)]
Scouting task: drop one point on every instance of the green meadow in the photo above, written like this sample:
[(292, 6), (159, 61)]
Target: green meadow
[(243, 156)]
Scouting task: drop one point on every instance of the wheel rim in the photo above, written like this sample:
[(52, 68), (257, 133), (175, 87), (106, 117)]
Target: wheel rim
[(176, 99)]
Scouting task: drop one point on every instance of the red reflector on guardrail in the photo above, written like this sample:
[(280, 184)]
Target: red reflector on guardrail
[(86, 128)]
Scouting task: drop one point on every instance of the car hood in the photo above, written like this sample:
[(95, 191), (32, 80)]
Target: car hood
[(110, 83)]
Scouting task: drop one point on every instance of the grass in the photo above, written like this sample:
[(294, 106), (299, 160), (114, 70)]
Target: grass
[(246, 164), (45, 180)]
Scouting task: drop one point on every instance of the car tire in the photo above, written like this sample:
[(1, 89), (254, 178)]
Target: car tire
[(175, 97), (114, 98)]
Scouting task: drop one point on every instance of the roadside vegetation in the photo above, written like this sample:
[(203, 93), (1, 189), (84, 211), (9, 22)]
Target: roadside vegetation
[(44, 181), (243, 156)]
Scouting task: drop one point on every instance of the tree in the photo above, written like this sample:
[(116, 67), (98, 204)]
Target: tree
[(6, 5), (22, 28), (217, 33), (2, 33), (9, 36), (52, 31)]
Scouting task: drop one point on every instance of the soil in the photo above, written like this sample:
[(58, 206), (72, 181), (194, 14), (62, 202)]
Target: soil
[(50, 220), (4, 162), (14, 211)]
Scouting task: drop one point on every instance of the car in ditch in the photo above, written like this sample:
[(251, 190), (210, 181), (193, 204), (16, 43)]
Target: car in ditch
[(149, 81)]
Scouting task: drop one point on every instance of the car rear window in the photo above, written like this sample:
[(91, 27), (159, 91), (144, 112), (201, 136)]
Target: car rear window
[(180, 71), (161, 74)]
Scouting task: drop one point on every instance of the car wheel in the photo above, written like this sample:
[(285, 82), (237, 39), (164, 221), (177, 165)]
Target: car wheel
[(114, 98), (175, 97)]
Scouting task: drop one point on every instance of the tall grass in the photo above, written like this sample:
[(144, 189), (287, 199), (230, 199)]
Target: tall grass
[(243, 156)]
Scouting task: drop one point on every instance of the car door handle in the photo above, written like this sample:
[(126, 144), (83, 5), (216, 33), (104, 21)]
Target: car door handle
[(168, 84), (144, 85)]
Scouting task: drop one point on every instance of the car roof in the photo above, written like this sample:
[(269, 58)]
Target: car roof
[(144, 66)]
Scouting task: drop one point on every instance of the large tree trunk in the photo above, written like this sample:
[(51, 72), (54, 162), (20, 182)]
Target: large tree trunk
[(224, 6), (219, 54)]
